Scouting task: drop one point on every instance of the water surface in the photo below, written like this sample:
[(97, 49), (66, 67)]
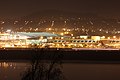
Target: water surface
[(72, 71)]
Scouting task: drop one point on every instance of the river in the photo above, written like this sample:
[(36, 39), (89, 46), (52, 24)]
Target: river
[(72, 71)]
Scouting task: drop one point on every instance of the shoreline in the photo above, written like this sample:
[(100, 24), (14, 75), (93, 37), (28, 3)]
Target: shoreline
[(67, 54)]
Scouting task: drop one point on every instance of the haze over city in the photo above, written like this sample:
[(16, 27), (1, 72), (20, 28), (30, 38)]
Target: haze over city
[(19, 8)]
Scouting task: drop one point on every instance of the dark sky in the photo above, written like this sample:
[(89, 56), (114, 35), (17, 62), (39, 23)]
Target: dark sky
[(19, 8)]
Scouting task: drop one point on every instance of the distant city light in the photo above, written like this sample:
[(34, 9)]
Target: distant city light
[(8, 31)]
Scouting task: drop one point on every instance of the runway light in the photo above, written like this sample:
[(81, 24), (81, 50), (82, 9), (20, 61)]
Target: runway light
[(62, 34), (51, 37), (108, 38), (62, 37), (114, 36), (103, 37), (49, 29), (71, 34), (41, 37)]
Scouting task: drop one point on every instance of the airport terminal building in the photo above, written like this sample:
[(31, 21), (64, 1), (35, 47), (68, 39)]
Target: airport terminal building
[(41, 39)]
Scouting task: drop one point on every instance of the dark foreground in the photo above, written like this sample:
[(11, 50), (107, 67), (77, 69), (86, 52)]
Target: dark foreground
[(46, 54)]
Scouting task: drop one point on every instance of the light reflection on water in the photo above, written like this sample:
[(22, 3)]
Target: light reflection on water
[(72, 71), (12, 70)]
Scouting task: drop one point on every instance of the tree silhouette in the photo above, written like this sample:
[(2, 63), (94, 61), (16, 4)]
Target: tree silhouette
[(42, 69)]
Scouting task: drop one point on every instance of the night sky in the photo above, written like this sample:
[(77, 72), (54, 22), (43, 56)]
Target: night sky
[(18, 8)]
